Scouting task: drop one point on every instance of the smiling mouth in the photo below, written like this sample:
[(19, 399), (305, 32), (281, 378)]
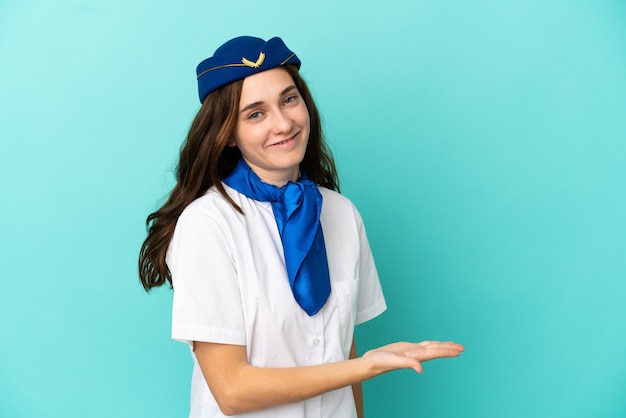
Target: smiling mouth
[(286, 141)]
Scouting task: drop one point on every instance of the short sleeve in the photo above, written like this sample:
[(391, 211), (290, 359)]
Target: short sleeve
[(207, 299), (371, 301)]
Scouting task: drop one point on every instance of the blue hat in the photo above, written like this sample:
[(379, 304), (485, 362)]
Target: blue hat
[(239, 58)]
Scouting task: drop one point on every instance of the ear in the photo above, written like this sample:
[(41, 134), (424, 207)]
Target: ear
[(231, 142)]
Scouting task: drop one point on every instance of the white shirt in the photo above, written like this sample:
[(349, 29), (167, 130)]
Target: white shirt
[(231, 287)]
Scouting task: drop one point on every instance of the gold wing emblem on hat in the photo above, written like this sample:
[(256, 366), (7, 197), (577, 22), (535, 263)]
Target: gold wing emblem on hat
[(253, 64)]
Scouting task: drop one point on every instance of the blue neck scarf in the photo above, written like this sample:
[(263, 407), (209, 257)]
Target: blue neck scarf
[(297, 208)]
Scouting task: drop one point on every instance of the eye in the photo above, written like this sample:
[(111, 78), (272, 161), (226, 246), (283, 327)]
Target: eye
[(255, 115), (290, 99)]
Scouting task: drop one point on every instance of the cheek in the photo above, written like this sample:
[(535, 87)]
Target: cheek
[(243, 136), (307, 123), (305, 114), (307, 119)]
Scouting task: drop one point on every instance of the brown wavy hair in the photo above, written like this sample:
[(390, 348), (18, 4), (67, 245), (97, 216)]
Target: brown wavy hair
[(205, 159)]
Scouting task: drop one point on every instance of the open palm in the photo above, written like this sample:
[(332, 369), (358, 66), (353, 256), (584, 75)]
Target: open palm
[(403, 355)]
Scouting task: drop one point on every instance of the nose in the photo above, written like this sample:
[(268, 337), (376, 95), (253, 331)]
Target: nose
[(282, 122)]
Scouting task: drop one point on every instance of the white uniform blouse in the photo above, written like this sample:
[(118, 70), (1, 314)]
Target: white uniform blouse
[(231, 287)]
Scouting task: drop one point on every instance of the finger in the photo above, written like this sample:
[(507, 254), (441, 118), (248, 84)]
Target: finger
[(418, 368), (448, 345), (411, 363), (432, 353), (416, 365), (454, 345), (439, 352)]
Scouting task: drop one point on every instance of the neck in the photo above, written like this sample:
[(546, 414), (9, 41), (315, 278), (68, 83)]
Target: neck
[(277, 178)]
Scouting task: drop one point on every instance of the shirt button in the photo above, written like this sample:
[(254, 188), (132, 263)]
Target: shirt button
[(316, 342)]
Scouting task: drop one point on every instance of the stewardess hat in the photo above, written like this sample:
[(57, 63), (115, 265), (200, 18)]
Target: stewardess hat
[(239, 58)]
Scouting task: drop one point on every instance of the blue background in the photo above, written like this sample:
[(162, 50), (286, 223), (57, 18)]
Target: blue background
[(484, 143)]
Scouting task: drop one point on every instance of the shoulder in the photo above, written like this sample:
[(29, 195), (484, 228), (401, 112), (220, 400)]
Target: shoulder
[(214, 204), (332, 198), (211, 211), (338, 206), (210, 221), (211, 201)]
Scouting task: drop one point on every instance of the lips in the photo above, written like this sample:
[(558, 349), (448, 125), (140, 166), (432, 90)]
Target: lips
[(285, 141)]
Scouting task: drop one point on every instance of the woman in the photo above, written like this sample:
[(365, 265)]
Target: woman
[(270, 265)]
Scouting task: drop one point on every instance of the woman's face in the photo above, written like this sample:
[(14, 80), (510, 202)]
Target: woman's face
[(272, 126)]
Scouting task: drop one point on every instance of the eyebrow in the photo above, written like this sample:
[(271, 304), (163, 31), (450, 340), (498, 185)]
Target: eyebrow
[(256, 104)]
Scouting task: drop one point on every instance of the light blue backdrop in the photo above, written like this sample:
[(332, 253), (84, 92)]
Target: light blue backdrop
[(484, 143)]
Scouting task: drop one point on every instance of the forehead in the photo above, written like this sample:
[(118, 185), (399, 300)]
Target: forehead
[(265, 85)]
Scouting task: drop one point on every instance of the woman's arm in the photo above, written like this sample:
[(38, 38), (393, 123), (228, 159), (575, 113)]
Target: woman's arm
[(240, 387), (357, 388)]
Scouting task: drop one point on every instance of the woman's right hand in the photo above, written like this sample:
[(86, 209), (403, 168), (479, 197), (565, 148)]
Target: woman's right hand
[(405, 355)]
